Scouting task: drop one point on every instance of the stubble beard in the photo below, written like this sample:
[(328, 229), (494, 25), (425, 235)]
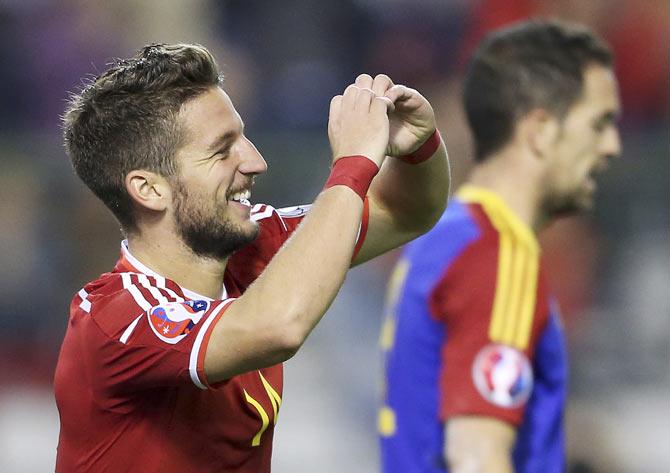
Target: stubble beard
[(206, 229), (568, 204)]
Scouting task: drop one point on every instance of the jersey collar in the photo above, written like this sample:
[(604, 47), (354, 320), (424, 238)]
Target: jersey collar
[(498, 211), (131, 264)]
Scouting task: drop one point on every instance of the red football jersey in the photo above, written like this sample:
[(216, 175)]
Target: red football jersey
[(495, 305), (130, 385)]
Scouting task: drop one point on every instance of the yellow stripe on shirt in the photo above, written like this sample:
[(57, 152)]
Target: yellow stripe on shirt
[(518, 264), (529, 302)]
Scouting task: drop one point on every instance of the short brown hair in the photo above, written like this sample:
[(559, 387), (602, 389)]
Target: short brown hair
[(126, 119), (537, 63)]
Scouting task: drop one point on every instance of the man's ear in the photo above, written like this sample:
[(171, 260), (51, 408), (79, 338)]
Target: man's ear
[(540, 130), (148, 189)]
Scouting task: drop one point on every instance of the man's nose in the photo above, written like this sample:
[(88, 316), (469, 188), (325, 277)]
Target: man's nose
[(611, 143), (252, 161)]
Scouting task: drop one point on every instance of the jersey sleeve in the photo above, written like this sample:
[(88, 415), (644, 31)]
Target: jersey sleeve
[(493, 311), (147, 336)]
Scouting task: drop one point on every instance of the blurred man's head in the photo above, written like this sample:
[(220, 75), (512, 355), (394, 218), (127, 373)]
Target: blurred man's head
[(155, 137), (585, 140), (560, 78)]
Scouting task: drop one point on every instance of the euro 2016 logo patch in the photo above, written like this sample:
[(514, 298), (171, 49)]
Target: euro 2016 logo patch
[(174, 320), (503, 375)]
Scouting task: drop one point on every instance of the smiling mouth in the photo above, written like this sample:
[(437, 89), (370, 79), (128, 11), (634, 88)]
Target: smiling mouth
[(241, 197)]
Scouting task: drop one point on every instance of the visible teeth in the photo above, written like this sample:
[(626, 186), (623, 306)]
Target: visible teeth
[(242, 197)]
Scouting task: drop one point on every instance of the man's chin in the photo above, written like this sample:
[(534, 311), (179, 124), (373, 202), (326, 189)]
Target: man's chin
[(221, 245), (243, 236), (248, 231), (251, 234), (568, 207)]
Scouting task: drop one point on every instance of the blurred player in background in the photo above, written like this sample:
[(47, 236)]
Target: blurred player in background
[(172, 361), (475, 362)]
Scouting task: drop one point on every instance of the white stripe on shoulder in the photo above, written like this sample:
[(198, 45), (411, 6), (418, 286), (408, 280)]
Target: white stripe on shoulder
[(135, 292), (85, 304), (128, 331), (155, 292), (195, 351), (259, 214), (295, 211), (160, 283)]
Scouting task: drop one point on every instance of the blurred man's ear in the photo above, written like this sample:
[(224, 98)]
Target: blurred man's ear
[(540, 130), (148, 190)]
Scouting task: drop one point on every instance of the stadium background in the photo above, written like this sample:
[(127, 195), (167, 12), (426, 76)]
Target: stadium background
[(283, 61)]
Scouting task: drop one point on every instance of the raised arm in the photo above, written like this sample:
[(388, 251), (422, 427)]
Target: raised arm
[(271, 320), (406, 199)]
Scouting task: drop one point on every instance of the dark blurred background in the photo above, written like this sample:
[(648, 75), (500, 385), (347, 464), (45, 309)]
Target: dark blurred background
[(283, 62)]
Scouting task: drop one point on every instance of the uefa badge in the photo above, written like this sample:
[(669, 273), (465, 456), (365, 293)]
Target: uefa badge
[(174, 320), (503, 375)]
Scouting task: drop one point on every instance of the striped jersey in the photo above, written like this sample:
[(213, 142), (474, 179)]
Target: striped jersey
[(471, 329), (130, 384)]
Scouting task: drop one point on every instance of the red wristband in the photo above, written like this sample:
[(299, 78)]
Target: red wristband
[(425, 151), (355, 172)]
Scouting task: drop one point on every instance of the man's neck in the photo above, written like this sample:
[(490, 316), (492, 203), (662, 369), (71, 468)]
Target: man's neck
[(516, 181), (172, 259)]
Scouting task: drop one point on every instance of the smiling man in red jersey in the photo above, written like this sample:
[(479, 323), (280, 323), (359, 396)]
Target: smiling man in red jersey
[(172, 362)]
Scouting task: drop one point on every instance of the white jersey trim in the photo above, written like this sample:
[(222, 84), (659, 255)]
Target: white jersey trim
[(160, 279), (129, 330), (85, 304), (256, 215), (155, 292), (160, 283), (295, 211), (158, 295), (135, 292), (262, 211), (195, 351)]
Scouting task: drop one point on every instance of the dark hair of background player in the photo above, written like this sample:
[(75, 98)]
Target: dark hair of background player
[(537, 64)]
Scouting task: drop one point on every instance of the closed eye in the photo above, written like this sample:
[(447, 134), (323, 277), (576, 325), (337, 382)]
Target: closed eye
[(605, 121), (222, 153)]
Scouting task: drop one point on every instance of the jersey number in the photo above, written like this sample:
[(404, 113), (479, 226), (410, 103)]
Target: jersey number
[(386, 422), (275, 400)]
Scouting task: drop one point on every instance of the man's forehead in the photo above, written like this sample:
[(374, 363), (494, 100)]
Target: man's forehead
[(600, 89), (209, 116)]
